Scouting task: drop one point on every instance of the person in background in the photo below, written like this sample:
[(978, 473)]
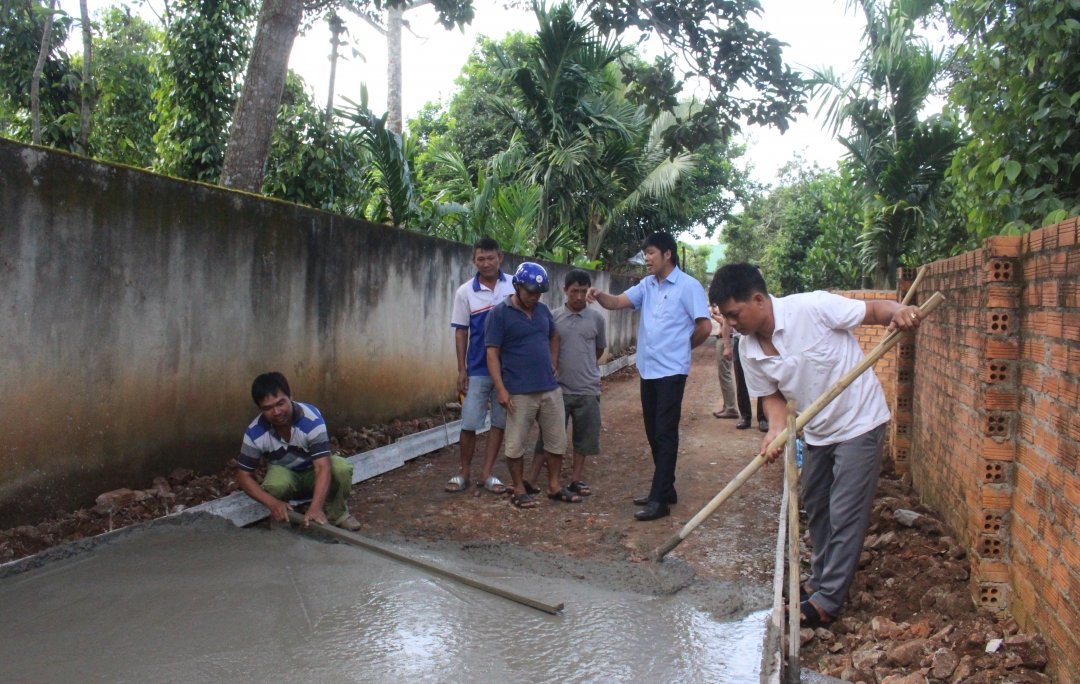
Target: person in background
[(796, 347), (674, 321), (292, 437), (723, 367), (472, 303), (582, 340), (522, 356), (745, 415)]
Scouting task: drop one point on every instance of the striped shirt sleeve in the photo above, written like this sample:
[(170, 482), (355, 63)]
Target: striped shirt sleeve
[(249, 454)]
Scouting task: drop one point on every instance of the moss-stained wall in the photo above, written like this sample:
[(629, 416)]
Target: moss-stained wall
[(136, 309)]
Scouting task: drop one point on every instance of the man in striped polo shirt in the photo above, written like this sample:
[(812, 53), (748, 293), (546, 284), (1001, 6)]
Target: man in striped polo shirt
[(292, 437), (473, 301)]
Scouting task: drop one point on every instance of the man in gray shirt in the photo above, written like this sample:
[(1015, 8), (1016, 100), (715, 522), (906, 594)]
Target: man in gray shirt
[(581, 344)]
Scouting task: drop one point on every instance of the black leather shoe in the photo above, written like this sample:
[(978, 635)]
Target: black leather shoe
[(653, 511), (763, 425), (644, 500), (742, 424)]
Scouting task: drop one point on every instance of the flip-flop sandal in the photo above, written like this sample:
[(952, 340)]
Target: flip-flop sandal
[(529, 489), (566, 496), (491, 483), (809, 616), (579, 487), (523, 501), (458, 480)]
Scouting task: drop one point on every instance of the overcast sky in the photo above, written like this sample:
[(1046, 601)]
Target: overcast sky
[(818, 32)]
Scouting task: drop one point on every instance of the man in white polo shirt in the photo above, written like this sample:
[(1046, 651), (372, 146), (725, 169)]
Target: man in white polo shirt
[(472, 303), (796, 347)]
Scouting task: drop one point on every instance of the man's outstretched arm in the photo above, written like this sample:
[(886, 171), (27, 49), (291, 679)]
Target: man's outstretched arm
[(892, 314), (610, 302)]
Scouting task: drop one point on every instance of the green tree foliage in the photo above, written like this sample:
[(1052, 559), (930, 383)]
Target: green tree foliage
[(123, 126), (900, 158), (21, 25), (312, 163), (206, 48), (803, 232), (389, 176), (469, 124), (1019, 87), (715, 40), (565, 108), (694, 259)]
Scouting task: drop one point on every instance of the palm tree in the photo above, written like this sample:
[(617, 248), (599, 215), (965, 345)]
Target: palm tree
[(644, 178), (566, 101), (900, 158)]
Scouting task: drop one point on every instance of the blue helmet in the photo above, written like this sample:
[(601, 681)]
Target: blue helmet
[(532, 277)]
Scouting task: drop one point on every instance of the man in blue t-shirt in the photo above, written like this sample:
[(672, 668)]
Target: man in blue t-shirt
[(521, 343), (292, 437)]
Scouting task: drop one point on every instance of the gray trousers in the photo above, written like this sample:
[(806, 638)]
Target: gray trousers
[(837, 486), (727, 380)]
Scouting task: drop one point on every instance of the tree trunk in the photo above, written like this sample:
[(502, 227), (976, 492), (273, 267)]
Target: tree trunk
[(86, 89), (336, 28), (394, 19), (256, 110), (35, 84)]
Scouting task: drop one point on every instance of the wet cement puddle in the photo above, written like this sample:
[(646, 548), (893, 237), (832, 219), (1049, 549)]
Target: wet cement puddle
[(204, 601)]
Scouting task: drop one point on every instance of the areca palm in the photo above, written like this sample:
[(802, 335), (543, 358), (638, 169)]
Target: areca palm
[(900, 158), (565, 104)]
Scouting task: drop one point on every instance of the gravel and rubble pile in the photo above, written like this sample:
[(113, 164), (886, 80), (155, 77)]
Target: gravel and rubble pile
[(183, 489), (910, 618)]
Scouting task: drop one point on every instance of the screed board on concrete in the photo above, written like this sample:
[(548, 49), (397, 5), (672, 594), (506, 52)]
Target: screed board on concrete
[(195, 599)]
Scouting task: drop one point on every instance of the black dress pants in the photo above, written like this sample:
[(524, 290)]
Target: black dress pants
[(741, 393), (661, 406)]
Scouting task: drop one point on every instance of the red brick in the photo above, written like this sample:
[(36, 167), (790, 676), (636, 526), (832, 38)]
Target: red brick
[(1003, 246)]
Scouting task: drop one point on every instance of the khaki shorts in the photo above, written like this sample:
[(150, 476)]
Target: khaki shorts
[(543, 407)]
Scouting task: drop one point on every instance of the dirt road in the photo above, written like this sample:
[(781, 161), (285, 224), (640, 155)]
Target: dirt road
[(737, 543)]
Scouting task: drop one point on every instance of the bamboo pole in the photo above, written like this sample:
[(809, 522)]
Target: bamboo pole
[(372, 545), (793, 668), (889, 341)]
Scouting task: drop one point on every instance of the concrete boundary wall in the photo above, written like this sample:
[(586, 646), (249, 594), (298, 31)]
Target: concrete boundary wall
[(135, 310), (995, 426)]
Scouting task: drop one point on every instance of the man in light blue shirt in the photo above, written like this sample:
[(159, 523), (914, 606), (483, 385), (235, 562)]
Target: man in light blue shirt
[(674, 320)]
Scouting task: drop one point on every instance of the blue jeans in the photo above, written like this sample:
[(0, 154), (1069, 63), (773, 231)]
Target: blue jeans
[(475, 407)]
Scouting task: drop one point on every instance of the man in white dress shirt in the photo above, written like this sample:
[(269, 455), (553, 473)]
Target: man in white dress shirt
[(796, 347)]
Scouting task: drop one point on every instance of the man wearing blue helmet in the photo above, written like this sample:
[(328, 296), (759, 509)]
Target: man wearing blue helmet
[(522, 350)]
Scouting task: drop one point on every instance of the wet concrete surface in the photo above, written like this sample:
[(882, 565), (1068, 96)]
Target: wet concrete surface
[(197, 600)]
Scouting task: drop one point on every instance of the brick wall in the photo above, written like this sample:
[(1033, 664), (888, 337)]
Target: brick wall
[(994, 429), (869, 338)]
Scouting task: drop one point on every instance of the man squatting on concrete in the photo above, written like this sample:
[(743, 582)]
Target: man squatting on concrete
[(473, 302), (292, 437), (674, 320), (522, 353), (796, 347), (582, 340)]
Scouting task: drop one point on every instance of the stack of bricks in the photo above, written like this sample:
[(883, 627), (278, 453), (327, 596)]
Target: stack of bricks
[(991, 381)]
